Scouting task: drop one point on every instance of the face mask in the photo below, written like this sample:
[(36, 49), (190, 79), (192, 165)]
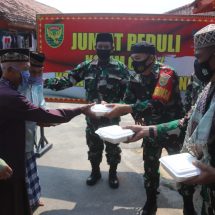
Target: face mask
[(103, 54), (35, 80), (24, 80), (25, 76), (140, 66), (203, 71)]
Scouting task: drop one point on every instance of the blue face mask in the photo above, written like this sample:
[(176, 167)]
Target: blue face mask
[(25, 76), (24, 82), (35, 80)]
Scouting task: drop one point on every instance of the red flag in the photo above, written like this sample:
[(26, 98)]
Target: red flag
[(202, 6)]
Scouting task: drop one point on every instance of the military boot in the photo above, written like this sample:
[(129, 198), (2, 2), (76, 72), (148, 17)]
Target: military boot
[(188, 208), (150, 206), (95, 175), (113, 180)]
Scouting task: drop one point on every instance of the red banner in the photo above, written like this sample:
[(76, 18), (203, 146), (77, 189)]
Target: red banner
[(68, 39)]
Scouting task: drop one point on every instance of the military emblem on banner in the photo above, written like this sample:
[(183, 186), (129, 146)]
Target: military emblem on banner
[(163, 80), (54, 34)]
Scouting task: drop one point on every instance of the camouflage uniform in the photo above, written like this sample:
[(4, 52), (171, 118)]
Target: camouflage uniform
[(194, 88), (139, 93), (102, 83), (179, 127)]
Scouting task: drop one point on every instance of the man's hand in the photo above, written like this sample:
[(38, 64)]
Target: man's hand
[(5, 172), (86, 110), (118, 110), (138, 130), (207, 175)]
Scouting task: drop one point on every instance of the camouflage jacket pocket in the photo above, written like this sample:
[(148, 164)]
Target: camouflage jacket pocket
[(90, 83), (113, 81)]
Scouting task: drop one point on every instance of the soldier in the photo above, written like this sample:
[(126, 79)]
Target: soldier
[(178, 128), (200, 138), (154, 97), (105, 80)]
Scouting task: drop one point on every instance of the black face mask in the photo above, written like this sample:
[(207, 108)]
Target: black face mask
[(140, 66), (203, 71), (103, 54)]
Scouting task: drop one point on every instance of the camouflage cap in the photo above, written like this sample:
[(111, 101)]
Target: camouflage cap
[(14, 55), (37, 59), (205, 37)]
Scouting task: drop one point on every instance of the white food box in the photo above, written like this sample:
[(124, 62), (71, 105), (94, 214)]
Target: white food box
[(114, 134), (180, 166), (100, 109)]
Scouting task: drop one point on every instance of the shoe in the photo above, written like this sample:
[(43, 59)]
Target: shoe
[(113, 180), (150, 207), (93, 178)]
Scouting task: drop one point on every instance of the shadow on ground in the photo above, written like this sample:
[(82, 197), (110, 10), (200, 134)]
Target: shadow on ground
[(67, 186)]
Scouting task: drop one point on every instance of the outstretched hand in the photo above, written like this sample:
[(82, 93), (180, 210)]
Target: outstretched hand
[(206, 176), (86, 110), (118, 110), (138, 130)]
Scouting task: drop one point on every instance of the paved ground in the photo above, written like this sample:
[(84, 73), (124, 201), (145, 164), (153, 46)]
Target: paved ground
[(64, 169)]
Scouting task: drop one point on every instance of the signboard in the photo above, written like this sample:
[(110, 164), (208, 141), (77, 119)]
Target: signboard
[(69, 39)]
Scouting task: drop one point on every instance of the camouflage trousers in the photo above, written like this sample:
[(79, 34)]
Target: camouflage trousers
[(152, 149), (96, 144), (208, 195)]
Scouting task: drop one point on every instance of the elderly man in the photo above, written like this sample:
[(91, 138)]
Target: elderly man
[(15, 109)]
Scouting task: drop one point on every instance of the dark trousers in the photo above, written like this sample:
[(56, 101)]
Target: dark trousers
[(14, 198), (152, 149), (96, 147)]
